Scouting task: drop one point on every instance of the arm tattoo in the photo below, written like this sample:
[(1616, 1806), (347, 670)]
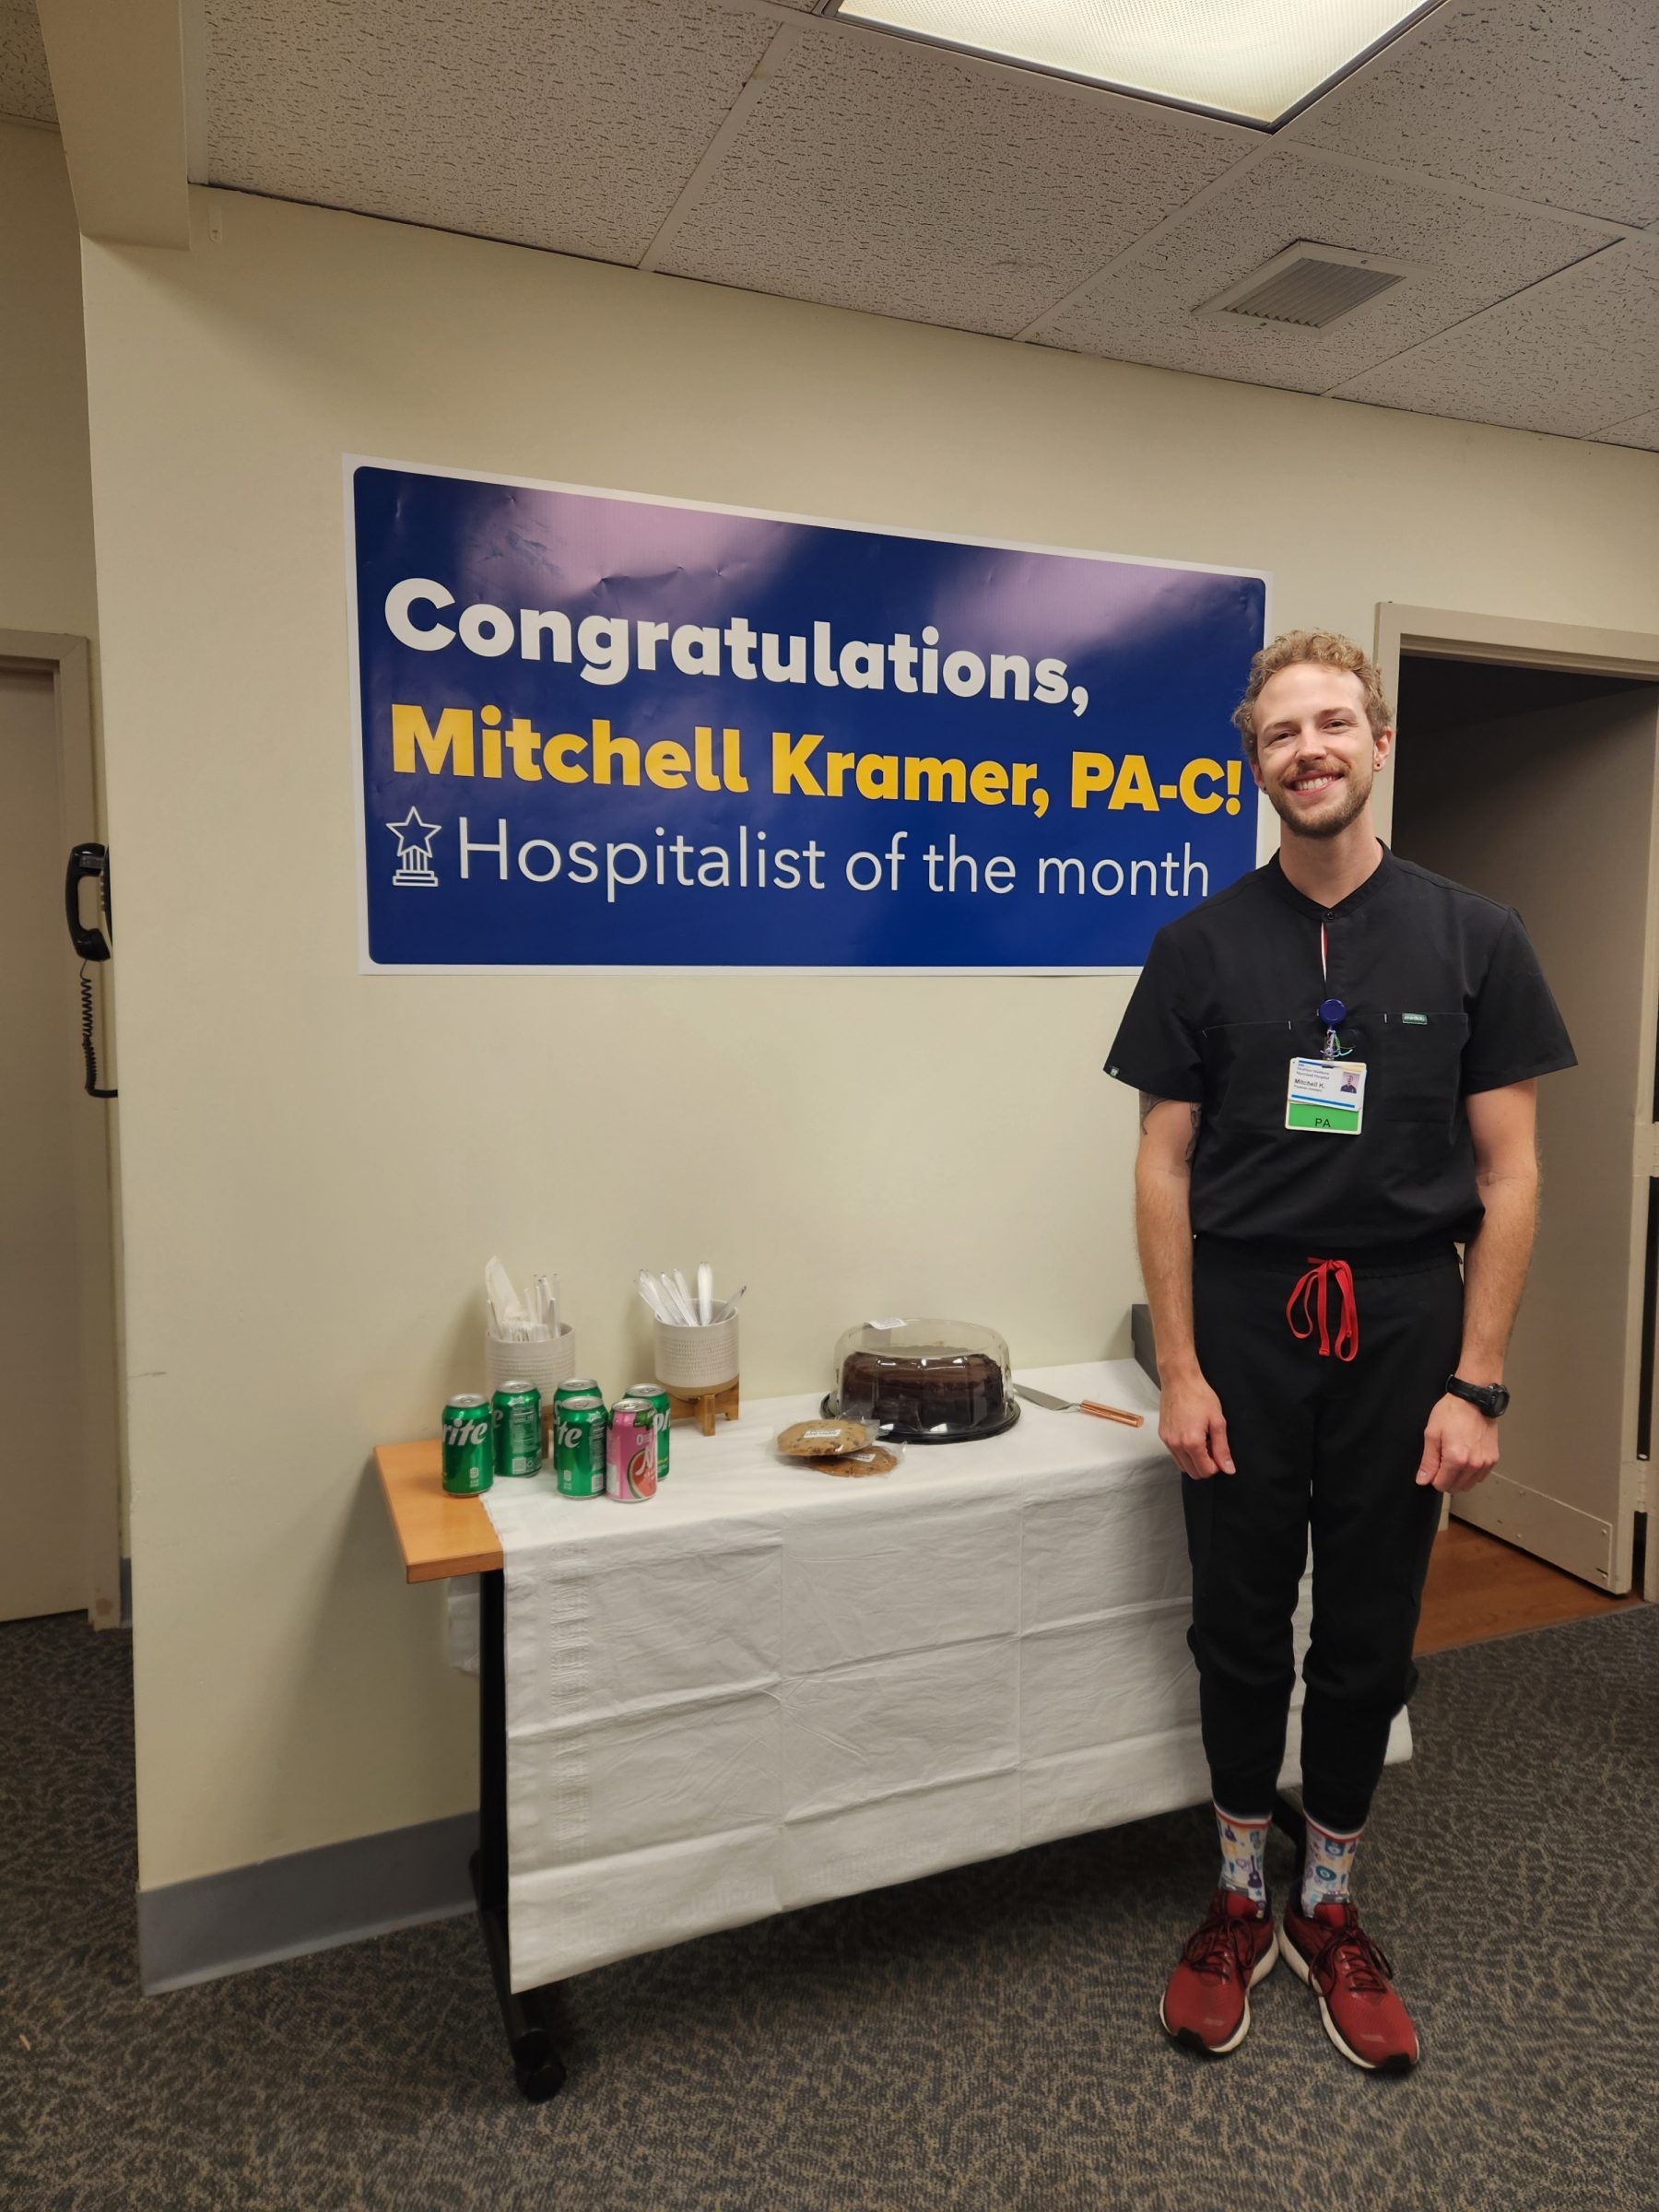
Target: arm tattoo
[(1148, 1100)]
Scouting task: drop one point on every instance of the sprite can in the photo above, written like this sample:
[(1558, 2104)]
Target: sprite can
[(656, 1397), (579, 1438), (632, 1452), (515, 1425), (576, 1386), (468, 1457)]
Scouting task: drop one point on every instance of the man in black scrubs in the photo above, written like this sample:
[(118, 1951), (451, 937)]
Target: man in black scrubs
[(1337, 1058)]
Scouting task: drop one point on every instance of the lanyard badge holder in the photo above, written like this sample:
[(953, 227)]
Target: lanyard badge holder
[(1326, 1094)]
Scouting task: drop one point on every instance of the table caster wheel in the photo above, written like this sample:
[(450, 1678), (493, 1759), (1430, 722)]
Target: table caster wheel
[(541, 2080)]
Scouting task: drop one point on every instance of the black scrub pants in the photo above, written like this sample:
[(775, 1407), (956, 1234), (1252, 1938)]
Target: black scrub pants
[(1325, 1445)]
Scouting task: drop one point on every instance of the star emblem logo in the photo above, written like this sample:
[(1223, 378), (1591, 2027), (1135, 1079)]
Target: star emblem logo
[(415, 849), (407, 840)]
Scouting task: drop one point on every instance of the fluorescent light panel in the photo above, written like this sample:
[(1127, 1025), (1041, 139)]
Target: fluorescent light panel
[(1257, 60)]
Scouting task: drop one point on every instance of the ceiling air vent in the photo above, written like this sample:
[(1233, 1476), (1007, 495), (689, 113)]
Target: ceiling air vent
[(1309, 287)]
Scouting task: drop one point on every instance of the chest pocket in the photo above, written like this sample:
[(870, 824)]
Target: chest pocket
[(1247, 1065), (1424, 1066)]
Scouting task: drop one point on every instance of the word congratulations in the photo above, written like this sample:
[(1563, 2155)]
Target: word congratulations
[(611, 647)]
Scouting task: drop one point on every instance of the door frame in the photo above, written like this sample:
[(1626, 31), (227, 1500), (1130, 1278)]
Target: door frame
[(1445, 634), (100, 1441)]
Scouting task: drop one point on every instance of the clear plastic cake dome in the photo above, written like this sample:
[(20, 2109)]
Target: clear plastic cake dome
[(924, 1382)]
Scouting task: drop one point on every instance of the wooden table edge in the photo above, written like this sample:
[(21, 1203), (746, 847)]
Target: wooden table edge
[(438, 1536)]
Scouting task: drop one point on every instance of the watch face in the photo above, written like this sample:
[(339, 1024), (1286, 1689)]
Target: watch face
[(1491, 1397)]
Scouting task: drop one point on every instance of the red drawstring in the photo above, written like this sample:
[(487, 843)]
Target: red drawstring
[(1347, 1330)]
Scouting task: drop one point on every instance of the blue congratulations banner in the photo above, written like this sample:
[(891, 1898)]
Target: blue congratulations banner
[(597, 731)]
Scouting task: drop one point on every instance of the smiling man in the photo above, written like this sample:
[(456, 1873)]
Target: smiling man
[(1337, 1061)]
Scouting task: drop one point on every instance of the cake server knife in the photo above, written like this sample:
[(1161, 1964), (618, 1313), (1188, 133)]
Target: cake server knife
[(1102, 1413)]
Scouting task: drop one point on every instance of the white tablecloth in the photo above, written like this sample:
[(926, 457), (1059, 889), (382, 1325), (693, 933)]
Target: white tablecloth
[(768, 1686)]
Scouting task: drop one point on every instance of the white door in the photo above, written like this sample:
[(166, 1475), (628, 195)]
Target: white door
[(43, 1547), (1554, 812)]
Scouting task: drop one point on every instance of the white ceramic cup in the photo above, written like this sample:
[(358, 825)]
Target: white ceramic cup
[(697, 1358)]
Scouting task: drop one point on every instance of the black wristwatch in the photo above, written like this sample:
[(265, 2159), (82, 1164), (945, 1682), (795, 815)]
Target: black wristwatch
[(1491, 1397)]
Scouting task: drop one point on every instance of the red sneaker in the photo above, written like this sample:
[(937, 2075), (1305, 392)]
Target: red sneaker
[(1205, 2006), (1353, 1980)]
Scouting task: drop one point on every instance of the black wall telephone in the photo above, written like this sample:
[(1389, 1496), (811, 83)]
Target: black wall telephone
[(89, 941)]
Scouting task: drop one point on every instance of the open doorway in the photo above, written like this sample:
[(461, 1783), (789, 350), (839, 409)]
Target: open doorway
[(1538, 785)]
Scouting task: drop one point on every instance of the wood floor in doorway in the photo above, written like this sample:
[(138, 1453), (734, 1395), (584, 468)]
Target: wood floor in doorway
[(1479, 1587)]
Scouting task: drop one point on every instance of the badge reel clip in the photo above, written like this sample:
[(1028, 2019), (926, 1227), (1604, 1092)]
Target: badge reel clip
[(1327, 1095)]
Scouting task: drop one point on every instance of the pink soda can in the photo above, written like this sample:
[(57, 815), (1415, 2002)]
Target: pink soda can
[(631, 1466)]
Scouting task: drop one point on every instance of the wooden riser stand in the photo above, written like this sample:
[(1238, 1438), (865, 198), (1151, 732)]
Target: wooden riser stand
[(703, 1407)]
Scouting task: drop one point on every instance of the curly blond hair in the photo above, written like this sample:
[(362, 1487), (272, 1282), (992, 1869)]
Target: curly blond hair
[(1322, 649)]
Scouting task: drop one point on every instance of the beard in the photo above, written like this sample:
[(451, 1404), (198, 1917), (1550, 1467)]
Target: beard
[(1344, 803)]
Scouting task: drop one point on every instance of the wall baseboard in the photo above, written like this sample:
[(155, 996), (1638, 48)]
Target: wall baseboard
[(309, 1901)]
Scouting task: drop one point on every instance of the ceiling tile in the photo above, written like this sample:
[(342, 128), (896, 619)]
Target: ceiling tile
[(573, 126), (1642, 429), (1574, 356), (1471, 255), (880, 174), (25, 87), (1551, 101)]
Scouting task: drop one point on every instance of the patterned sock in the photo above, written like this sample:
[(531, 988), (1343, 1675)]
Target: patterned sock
[(1328, 1862), (1243, 1843)]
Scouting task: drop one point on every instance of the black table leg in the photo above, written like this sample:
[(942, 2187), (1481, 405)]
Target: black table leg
[(527, 2014)]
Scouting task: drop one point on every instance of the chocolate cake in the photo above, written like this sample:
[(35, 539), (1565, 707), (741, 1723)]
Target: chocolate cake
[(925, 1391)]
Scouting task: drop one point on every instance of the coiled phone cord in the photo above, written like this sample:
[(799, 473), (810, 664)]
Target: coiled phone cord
[(88, 1050)]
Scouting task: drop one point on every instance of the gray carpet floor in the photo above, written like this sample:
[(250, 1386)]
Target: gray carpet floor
[(986, 2040)]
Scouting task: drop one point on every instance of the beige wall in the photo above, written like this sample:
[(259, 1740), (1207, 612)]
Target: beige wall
[(45, 486), (313, 1184)]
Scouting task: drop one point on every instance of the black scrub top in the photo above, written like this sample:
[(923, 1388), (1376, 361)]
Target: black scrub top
[(1445, 997)]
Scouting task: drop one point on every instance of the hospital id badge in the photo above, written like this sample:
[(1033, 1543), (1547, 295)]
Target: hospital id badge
[(1327, 1095)]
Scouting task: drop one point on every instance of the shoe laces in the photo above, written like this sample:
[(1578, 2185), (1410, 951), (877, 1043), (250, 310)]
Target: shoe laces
[(1216, 1945), (1358, 1959)]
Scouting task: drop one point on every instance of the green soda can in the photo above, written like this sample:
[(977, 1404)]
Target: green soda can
[(573, 1386), (579, 1439), (469, 1456), (515, 1428), (656, 1397)]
